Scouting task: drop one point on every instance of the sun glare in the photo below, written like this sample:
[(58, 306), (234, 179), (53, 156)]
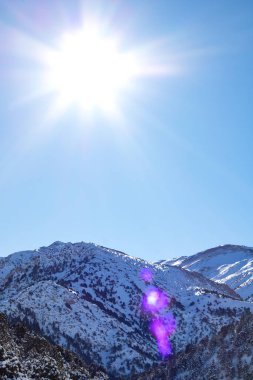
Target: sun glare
[(88, 69), (91, 69)]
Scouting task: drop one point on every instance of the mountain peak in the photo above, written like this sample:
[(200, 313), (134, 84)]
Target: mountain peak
[(226, 248), (229, 264), (88, 298)]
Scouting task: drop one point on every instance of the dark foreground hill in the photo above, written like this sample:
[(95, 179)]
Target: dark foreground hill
[(27, 356)]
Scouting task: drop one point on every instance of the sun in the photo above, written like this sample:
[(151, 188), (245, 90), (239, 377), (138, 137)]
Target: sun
[(88, 69), (94, 70)]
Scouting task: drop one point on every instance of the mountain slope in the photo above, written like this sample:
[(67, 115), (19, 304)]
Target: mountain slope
[(87, 298), (228, 264), (26, 356), (227, 355)]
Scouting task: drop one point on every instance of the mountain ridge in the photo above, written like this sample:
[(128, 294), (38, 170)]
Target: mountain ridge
[(87, 298), (228, 264)]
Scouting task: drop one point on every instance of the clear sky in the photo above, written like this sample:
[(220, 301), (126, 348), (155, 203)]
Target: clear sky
[(169, 172)]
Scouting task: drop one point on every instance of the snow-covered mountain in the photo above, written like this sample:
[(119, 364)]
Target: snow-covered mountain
[(27, 356), (227, 264), (226, 355), (87, 298)]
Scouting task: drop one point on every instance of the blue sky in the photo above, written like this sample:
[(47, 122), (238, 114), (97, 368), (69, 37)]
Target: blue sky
[(173, 175)]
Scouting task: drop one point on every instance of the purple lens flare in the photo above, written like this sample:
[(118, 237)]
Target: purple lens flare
[(164, 347), (159, 331), (170, 323), (161, 328), (146, 274), (154, 300), (154, 303)]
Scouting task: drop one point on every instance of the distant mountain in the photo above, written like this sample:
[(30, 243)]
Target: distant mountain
[(226, 355), (87, 298), (227, 264), (27, 356)]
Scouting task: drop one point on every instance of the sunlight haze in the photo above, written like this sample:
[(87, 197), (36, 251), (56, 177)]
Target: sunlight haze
[(127, 124)]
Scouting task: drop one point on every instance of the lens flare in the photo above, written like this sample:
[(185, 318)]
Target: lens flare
[(159, 331), (154, 304), (161, 328), (146, 274), (154, 300)]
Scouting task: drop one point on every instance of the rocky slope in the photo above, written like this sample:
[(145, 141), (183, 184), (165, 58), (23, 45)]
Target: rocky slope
[(27, 356), (227, 355), (228, 264), (87, 298)]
